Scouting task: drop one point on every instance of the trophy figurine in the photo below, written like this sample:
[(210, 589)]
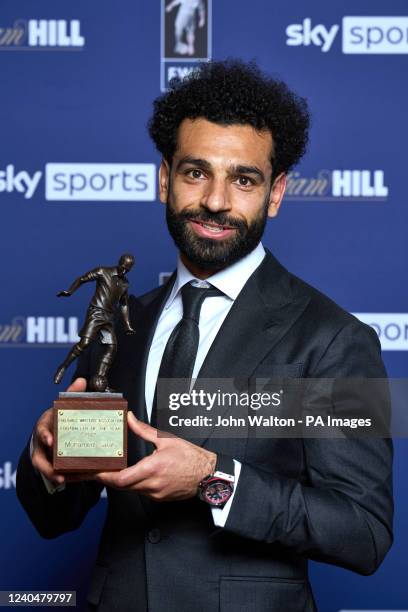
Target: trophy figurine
[(90, 427)]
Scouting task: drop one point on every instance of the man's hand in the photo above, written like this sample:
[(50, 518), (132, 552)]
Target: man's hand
[(171, 473), (63, 294), (43, 440)]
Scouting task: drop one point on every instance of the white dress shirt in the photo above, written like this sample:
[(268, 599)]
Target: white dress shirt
[(213, 312)]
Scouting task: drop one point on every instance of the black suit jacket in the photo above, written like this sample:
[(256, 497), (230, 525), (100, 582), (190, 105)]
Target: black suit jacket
[(324, 499)]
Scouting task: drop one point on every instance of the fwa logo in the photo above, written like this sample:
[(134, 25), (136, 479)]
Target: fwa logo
[(69, 182), (23, 332), (44, 34), (337, 185), (185, 37), (359, 35)]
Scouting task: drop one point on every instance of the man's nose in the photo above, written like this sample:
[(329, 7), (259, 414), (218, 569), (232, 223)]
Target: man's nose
[(216, 197)]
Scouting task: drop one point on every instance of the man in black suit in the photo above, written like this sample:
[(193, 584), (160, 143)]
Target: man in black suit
[(225, 524)]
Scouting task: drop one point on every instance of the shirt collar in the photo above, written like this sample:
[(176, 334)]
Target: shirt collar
[(229, 280)]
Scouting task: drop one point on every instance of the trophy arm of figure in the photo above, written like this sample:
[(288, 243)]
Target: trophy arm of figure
[(124, 308), (75, 285), (85, 278)]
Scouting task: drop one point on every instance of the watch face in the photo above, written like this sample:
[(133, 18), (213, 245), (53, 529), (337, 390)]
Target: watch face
[(217, 493)]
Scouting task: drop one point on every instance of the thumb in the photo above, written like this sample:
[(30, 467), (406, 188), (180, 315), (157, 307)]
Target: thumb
[(78, 385), (142, 429)]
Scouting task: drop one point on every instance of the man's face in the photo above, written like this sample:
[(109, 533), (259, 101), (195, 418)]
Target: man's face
[(218, 191)]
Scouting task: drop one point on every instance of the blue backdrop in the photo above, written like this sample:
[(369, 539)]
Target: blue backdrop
[(78, 80)]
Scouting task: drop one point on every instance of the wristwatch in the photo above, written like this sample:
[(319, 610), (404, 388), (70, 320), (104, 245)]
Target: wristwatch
[(216, 489)]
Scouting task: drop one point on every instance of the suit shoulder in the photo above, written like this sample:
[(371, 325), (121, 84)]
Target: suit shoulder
[(321, 309)]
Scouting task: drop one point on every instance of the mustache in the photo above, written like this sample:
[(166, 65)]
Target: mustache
[(206, 216)]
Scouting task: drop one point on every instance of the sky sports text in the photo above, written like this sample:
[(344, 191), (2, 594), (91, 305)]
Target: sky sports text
[(360, 35), (84, 182), (100, 182)]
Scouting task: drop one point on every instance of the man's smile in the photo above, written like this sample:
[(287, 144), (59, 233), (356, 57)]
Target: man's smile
[(208, 229)]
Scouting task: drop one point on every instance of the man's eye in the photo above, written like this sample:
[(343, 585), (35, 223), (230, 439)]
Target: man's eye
[(197, 174), (244, 181)]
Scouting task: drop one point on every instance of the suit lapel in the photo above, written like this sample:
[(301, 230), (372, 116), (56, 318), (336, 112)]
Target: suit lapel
[(260, 317)]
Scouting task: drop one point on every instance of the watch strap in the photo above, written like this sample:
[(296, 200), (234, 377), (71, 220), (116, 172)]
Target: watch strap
[(224, 467)]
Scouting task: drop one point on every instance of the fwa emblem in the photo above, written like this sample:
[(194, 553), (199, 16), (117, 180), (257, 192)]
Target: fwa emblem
[(185, 37)]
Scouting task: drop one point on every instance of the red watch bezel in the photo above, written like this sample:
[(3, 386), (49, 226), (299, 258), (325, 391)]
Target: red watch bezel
[(205, 487)]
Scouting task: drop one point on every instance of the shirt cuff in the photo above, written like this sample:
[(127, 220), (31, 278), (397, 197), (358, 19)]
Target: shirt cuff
[(220, 515), (50, 486)]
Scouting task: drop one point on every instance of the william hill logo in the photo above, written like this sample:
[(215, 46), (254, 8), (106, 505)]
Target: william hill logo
[(23, 332), (42, 34), (338, 185)]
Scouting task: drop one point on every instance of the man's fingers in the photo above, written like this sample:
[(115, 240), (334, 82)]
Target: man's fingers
[(78, 386), (41, 463), (143, 430), (44, 434), (80, 477), (129, 477), (43, 431), (43, 439)]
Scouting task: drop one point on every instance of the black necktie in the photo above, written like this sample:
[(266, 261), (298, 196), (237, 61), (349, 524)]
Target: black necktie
[(181, 349)]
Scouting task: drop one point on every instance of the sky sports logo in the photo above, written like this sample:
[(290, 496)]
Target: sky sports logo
[(69, 182), (360, 35)]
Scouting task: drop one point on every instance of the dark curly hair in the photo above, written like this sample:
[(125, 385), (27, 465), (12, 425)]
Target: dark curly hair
[(234, 92)]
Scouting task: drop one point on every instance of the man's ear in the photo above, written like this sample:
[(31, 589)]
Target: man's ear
[(164, 180), (276, 195)]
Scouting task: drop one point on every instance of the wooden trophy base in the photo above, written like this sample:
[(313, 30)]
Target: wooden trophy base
[(90, 432)]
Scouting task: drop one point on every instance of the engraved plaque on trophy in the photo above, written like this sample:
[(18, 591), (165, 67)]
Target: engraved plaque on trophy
[(90, 432), (90, 427)]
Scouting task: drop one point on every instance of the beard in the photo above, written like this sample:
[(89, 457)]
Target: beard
[(212, 255)]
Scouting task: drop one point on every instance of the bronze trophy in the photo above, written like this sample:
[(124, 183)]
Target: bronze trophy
[(90, 428)]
